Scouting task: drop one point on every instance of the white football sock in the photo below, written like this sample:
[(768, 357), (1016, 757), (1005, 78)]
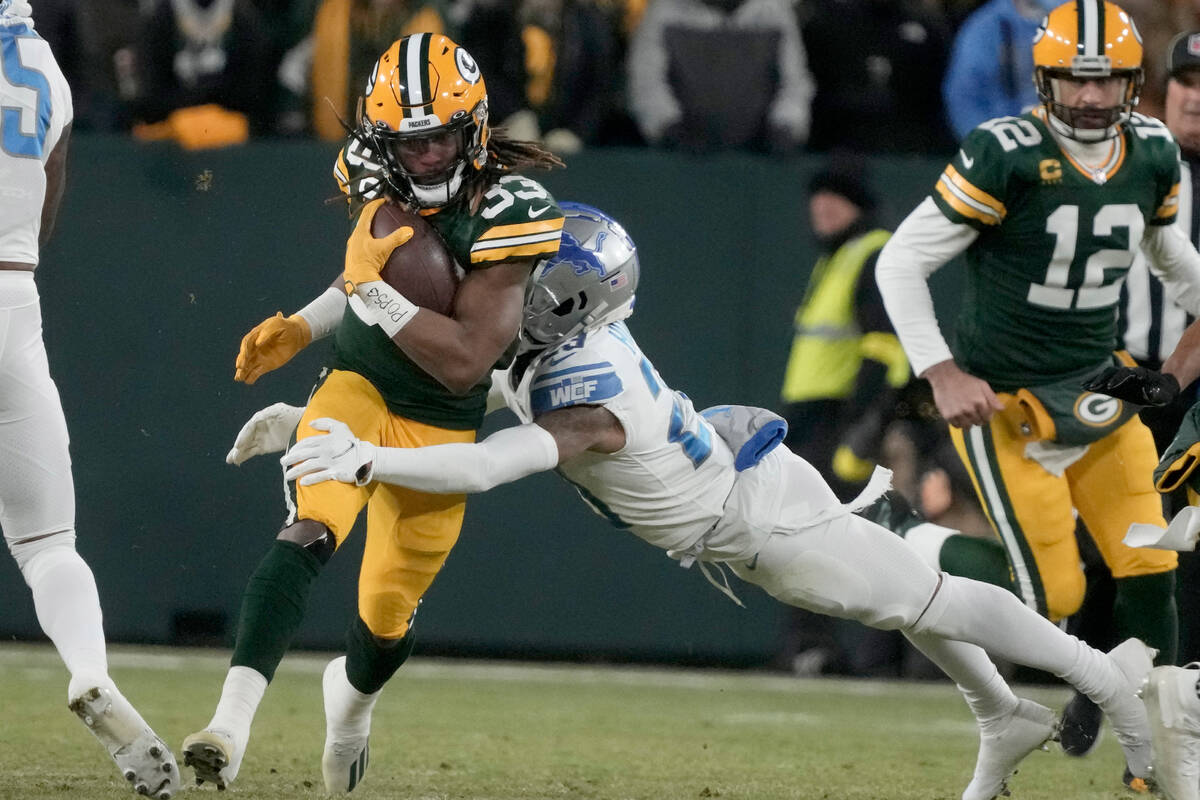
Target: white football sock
[(347, 710), (68, 609), (981, 684), (243, 691)]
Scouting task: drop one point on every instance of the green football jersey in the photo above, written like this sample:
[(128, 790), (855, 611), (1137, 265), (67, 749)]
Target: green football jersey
[(1056, 239), (516, 219)]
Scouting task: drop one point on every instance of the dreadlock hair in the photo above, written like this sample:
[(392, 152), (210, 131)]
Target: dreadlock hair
[(503, 156)]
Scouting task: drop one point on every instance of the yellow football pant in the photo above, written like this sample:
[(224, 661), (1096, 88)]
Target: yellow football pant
[(409, 533), (1031, 509)]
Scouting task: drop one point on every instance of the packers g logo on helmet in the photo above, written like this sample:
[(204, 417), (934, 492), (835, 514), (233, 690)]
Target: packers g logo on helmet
[(1087, 39), (425, 85)]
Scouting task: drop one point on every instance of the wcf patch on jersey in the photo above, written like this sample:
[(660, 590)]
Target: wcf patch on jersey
[(574, 390)]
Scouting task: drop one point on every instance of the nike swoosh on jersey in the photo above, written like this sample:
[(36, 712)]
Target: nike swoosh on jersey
[(752, 563), (968, 162), (535, 214)]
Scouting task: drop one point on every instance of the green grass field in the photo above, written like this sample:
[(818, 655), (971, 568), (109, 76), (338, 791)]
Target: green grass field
[(499, 730)]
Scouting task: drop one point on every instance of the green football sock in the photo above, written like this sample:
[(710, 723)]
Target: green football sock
[(273, 606), (1145, 608), (368, 664), (958, 554), (976, 558)]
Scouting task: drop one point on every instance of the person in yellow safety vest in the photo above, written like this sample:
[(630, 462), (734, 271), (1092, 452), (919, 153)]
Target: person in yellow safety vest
[(846, 361), (838, 395)]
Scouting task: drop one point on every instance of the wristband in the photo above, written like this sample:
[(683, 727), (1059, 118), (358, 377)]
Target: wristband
[(324, 313), (376, 303)]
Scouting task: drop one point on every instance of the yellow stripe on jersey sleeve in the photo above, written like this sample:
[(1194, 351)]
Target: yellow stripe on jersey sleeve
[(522, 228), (524, 239), (1170, 204), (968, 199)]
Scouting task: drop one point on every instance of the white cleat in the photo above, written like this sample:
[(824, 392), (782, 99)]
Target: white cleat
[(1174, 709), (1125, 710), (143, 758), (347, 729), (215, 755), (1005, 744)]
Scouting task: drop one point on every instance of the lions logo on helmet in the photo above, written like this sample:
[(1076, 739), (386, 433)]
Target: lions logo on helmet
[(590, 282), (1087, 40), (426, 87)]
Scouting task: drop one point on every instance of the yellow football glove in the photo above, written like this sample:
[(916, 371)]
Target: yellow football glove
[(269, 345), (366, 255)]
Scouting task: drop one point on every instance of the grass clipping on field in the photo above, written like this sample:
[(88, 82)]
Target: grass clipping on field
[(484, 730)]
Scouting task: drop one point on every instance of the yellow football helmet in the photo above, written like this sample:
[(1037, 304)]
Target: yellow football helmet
[(1083, 39), (424, 87)]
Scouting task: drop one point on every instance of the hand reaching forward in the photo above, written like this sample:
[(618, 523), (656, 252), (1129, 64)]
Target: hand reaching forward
[(268, 431), (269, 345), (335, 456), (1138, 385)]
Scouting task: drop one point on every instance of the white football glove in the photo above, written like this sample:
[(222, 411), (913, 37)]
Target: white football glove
[(268, 431), (336, 456)]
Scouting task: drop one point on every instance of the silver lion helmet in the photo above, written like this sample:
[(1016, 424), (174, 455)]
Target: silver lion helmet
[(588, 283)]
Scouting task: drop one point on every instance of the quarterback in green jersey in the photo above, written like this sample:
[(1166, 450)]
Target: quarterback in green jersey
[(1048, 210), (406, 378)]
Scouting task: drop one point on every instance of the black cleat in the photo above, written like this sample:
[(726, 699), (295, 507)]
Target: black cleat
[(1080, 726)]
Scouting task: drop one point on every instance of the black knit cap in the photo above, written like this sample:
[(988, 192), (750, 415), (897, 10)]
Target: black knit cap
[(1184, 53), (846, 176)]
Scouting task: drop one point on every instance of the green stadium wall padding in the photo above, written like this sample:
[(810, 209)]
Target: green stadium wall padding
[(163, 259)]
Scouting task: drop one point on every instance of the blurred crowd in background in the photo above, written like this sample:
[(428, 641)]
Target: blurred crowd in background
[(898, 76)]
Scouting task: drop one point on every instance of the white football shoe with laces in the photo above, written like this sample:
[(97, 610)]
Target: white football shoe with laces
[(347, 729), (1125, 710), (143, 758), (215, 754), (1174, 708), (1004, 743)]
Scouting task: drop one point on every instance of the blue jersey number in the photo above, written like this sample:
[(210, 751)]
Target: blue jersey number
[(13, 139), (686, 428), (694, 438)]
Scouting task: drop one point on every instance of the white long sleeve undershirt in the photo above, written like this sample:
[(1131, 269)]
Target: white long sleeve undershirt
[(923, 243), (1172, 257)]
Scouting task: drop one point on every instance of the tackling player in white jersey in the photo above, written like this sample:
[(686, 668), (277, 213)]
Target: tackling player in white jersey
[(712, 488), (37, 493)]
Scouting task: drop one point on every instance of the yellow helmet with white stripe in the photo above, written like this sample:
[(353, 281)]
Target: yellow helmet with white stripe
[(426, 87), (1087, 40)]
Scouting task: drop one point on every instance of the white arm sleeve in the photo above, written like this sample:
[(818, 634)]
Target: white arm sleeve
[(1174, 259), (922, 244), (503, 457), (324, 314)]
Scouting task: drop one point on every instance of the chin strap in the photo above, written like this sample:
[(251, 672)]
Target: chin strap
[(439, 194)]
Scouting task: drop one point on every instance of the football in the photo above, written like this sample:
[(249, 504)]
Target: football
[(421, 269)]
